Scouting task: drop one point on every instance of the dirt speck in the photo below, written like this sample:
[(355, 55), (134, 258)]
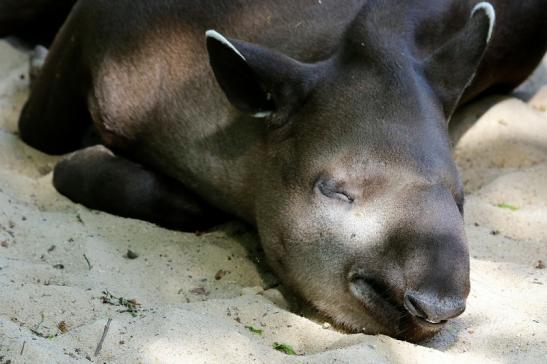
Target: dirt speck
[(221, 274), (199, 291), (131, 254)]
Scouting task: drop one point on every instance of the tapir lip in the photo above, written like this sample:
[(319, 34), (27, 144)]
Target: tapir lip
[(377, 302), (430, 324), (391, 314)]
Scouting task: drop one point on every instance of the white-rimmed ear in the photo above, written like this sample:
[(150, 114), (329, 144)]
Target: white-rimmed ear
[(256, 80), (452, 67), (220, 38), (488, 9)]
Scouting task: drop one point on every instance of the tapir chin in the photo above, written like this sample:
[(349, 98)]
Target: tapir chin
[(321, 123)]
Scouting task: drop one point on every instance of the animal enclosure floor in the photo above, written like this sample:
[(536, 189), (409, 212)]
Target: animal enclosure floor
[(191, 298)]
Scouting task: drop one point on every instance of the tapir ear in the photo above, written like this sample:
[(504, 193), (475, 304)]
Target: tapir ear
[(452, 68), (256, 80)]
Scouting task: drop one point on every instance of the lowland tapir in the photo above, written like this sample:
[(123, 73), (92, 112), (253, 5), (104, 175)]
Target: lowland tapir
[(321, 123)]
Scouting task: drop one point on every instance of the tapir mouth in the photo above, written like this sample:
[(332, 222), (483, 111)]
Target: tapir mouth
[(377, 299), (381, 304), (430, 323)]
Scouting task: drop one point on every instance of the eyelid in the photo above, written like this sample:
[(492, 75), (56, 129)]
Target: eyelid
[(328, 188), (344, 196)]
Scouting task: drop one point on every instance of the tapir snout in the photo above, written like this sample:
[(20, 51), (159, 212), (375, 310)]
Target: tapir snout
[(423, 277)]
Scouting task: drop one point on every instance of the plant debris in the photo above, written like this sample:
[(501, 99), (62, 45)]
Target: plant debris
[(38, 333), (132, 306), (63, 327), (508, 206), (284, 348), (44, 336), (254, 330)]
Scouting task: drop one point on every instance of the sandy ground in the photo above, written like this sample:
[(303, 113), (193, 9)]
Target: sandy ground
[(198, 294)]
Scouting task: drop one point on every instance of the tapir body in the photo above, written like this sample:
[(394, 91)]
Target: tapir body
[(321, 123)]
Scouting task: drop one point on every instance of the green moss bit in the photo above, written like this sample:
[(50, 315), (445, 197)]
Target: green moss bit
[(508, 206), (284, 348), (254, 330)]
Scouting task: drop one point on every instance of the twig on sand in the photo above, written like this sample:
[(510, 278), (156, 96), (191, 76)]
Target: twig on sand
[(105, 332), (88, 262), (23, 348)]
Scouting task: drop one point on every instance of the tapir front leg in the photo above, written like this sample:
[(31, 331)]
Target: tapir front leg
[(98, 179)]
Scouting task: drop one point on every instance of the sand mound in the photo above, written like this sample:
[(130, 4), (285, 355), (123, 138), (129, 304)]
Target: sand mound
[(204, 298)]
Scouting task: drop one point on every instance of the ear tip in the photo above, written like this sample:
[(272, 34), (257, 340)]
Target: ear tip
[(485, 6), (489, 11), (211, 33)]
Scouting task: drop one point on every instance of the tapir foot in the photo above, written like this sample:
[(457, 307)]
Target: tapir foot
[(98, 179)]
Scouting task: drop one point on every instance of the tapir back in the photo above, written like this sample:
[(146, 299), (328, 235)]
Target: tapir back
[(161, 46)]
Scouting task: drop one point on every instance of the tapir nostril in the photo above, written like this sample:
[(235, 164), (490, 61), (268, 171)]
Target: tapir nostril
[(413, 307), (433, 309)]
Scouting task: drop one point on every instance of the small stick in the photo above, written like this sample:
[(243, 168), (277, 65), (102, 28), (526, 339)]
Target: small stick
[(23, 348), (88, 262), (105, 332)]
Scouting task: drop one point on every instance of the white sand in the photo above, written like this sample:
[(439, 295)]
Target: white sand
[(187, 316)]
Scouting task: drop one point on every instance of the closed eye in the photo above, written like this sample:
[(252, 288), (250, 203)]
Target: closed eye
[(329, 189)]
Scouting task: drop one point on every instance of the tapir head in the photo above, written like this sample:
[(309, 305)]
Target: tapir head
[(359, 204)]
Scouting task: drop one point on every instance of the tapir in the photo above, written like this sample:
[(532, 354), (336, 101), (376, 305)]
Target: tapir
[(322, 123)]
